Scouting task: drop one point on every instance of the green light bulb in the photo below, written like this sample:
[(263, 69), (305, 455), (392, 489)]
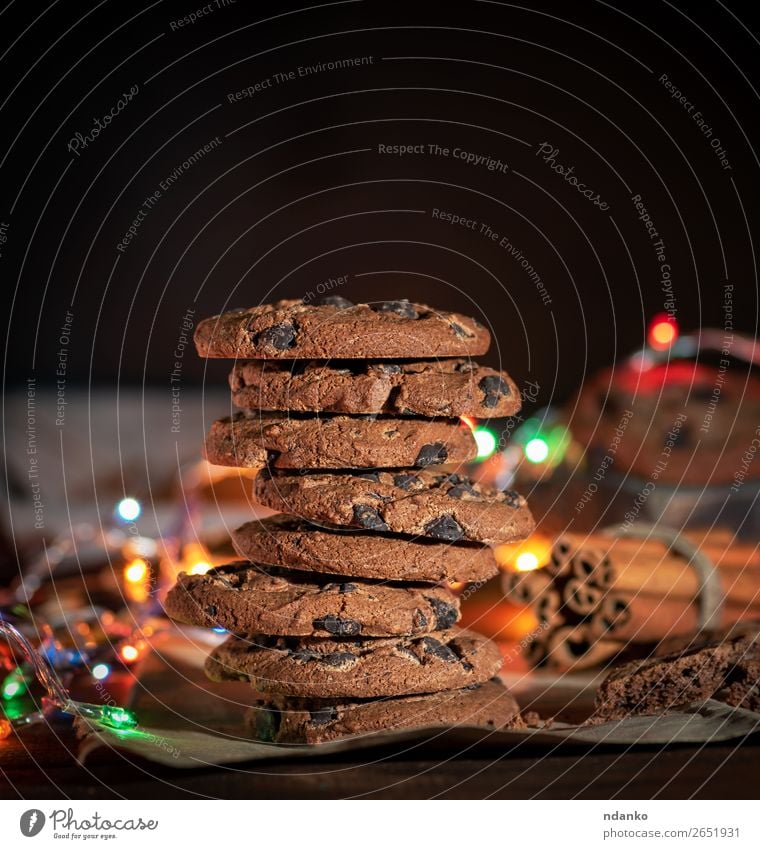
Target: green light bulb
[(486, 442), (536, 450), (115, 717), (119, 718), (14, 685)]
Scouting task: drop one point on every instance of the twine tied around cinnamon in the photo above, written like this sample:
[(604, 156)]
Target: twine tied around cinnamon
[(709, 596)]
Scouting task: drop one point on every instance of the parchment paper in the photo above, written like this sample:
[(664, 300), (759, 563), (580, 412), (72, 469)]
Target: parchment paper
[(187, 721)]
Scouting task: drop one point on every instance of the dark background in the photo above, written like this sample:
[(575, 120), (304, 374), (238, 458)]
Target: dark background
[(299, 193)]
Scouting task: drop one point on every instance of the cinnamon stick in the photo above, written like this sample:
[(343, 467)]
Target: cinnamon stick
[(572, 648), (581, 597), (640, 618)]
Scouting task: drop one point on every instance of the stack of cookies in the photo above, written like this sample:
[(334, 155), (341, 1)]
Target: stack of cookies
[(341, 616)]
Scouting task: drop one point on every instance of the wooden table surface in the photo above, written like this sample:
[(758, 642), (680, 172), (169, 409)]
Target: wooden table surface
[(40, 764)]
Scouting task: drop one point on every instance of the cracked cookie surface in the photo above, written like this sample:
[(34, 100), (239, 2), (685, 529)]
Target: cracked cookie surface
[(311, 667), (248, 599), (295, 721), (442, 506), (336, 442), (338, 329), (449, 387), (285, 540)]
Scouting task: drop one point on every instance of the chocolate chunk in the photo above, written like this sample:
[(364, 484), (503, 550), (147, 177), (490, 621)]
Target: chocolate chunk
[(348, 588), (494, 387), (438, 649), (211, 610), (323, 716), (304, 655), (419, 619), (512, 498), (432, 454), (369, 518), (450, 478), (388, 368), (402, 308), (280, 336), (403, 481), (406, 652), (370, 476), (445, 528), (459, 330), (267, 724), (338, 658), (461, 489), (445, 614), (466, 367), (336, 301), (338, 627)]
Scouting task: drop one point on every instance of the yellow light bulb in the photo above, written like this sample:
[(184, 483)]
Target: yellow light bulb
[(526, 562), (136, 570)]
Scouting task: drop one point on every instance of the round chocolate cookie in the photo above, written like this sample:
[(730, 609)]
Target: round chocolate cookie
[(285, 540), (294, 721), (431, 388), (446, 507), (337, 442), (311, 667), (688, 424), (338, 329), (248, 599)]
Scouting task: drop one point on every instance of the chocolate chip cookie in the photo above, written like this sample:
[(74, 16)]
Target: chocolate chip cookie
[(337, 442), (311, 667), (728, 671), (249, 599), (289, 541), (338, 329), (692, 422), (294, 721), (455, 387), (446, 507)]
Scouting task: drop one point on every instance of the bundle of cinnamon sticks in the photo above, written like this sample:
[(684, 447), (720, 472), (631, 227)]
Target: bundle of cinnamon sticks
[(602, 597)]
